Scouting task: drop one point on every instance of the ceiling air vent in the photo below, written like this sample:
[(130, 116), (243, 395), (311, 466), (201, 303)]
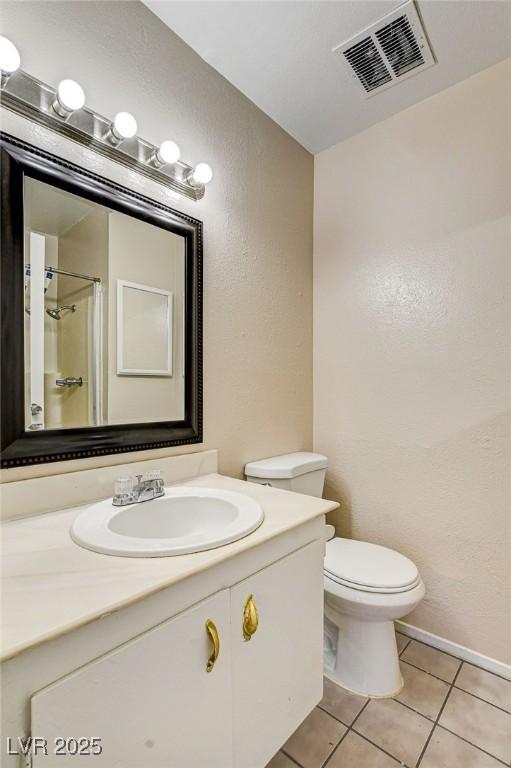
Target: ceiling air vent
[(388, 51)]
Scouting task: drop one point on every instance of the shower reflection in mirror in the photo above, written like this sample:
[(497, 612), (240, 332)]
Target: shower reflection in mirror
[(77, 253)]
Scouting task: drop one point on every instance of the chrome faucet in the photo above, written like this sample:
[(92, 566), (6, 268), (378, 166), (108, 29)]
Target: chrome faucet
[(147, 487)]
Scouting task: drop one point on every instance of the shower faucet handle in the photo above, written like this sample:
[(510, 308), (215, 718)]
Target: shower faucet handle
[(69, 381)]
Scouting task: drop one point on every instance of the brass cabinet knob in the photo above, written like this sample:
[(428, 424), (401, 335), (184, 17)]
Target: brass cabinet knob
[(250, 618), (215, 644)]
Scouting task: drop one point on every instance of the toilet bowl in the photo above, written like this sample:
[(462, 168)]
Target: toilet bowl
[(367, 587)]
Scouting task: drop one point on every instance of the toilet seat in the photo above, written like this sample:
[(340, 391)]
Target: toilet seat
[(366, 567), (376, 590)]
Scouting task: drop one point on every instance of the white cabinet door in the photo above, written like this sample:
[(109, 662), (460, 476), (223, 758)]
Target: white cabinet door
[(277, 674), (151, 701)]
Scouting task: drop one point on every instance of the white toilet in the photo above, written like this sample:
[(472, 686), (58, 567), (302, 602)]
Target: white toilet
[(367, 587)]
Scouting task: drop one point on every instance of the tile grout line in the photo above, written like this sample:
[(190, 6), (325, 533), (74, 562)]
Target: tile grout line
[(480, 749), (459, 688), (377, 746), (493, 674), (348, 729), (435, 724), (406, 646), (380, 749), (290, 758), (438, 716), (447, 682), (436, 721), (334, 750), (446, 653), (452, 656), (360, 735), (421, 714), (331, 715), (485, 701), (453, 685)]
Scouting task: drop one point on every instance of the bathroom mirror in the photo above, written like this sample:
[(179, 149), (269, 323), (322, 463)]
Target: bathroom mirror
[(104, 297), (101, 314)]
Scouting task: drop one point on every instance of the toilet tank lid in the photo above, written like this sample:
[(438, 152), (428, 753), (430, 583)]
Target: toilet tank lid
[(286, 466)]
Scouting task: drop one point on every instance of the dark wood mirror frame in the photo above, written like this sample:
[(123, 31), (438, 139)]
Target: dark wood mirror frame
[(19, 446)]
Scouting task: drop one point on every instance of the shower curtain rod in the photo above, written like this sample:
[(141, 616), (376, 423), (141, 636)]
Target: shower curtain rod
[(71, 274)]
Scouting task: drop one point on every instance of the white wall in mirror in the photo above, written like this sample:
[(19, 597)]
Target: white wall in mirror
[(149, 256)]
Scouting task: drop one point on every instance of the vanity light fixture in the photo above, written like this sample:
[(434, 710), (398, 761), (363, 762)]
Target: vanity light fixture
[(69, 98), (9, 58), (201, 174), (167, 153), (63, 110), (124, 126)]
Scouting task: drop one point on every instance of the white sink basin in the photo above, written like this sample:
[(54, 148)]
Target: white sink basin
[(185, 520)]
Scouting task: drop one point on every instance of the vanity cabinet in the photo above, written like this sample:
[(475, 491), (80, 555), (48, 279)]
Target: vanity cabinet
[(277, 675), (152, 701)]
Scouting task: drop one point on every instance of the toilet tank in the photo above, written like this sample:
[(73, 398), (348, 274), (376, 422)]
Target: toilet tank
[(302, 472)]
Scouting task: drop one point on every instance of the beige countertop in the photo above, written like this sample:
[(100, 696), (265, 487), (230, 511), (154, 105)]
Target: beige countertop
[(51, 586)]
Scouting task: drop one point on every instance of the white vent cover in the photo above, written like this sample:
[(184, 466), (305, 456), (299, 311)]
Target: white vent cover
[(388, 51)]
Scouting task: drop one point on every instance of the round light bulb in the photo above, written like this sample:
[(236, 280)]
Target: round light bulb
[(202, 173), (9, 56), (124, 125), (168, 152), (70, 95)]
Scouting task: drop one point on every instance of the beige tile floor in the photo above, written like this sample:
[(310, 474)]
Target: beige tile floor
[(450, 714)]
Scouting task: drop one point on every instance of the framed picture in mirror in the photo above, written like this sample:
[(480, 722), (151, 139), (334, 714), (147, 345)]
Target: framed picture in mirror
[(144, 330)]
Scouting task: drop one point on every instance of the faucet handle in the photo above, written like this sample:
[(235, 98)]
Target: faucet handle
[(123, 491), (123, 485), (156, 480)]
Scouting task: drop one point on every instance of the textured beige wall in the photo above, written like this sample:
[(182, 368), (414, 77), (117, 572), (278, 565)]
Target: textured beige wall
[(257, 212), (412, 361)]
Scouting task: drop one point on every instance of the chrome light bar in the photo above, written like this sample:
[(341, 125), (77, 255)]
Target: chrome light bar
[(25, 95)]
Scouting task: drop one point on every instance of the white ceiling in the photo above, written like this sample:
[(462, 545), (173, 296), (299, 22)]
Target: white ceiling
[(279, 54), (52, 211)]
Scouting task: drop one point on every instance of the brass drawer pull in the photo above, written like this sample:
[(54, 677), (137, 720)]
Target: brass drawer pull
[(250, 618), (215, 644)]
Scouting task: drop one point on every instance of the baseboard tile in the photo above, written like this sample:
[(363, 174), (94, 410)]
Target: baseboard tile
[(465, 654)]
